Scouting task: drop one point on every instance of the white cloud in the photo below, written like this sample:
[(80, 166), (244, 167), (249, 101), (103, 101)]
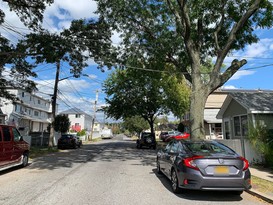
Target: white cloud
[(259, 49), (229, 87), (64, 12), (239, 74)]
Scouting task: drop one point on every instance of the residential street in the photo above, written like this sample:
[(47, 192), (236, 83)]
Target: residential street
[(106, 172)]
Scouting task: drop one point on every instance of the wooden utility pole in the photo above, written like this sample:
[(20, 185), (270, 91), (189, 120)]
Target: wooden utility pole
[(94, 116), (54, 102)]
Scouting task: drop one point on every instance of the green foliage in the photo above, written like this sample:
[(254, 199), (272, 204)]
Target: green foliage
[(61, 123), (81, 133), (262, 139), (21, 69), (135, 124), (133, 92)]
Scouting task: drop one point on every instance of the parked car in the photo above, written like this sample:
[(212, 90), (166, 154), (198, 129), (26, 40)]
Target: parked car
[(203, 165), (166, 134), (178, 136), (69, 141), (146, 139), (14, 151)]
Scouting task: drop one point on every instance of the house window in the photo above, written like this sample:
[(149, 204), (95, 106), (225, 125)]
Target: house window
[(240, 125), (78, 115), (36, 113), (39, 102), (23, 94), (29, 98), (244, 125)]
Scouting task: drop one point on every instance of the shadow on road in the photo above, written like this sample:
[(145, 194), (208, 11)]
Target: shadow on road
[(106, 151)]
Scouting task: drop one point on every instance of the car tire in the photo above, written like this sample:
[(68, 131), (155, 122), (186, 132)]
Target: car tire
[(158, 169), (174, 181), (25, 160)]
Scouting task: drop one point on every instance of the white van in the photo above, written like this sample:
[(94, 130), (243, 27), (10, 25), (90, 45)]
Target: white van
[(106, 134)]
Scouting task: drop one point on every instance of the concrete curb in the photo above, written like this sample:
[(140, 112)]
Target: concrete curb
[(260, 195)]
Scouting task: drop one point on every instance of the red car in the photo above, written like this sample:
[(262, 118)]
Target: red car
[(14, 151), (178, 136)]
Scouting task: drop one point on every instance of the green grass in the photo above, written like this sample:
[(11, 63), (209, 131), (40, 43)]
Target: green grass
[(40, 151), (262, 185)]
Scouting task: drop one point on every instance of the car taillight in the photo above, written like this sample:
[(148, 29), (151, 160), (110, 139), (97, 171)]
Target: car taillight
[(190, 162), (246, 163)]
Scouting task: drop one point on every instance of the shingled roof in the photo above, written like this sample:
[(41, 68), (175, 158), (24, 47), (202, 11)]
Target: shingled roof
[(73, 111), (258, 101), (253, 102)]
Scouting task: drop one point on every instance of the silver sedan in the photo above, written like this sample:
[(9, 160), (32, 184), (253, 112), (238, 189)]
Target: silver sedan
[(203, 165)]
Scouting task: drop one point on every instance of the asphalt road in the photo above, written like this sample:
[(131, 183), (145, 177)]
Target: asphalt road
[(107, 172)]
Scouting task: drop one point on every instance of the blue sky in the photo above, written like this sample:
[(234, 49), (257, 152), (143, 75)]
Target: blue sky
[(81, 92)]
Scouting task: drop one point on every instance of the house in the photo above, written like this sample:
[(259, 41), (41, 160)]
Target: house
[(242, 107), (79, 120), (2, 117), (31, 113)]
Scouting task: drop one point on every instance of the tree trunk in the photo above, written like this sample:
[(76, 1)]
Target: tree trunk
[(198, 100)]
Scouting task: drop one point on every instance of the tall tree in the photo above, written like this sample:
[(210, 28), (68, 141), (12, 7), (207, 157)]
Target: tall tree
[(187, 34), (141, 92), (133, 92), (31, 14), (135, 124)]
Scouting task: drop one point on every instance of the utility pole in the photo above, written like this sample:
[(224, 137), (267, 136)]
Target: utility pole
[(94, 116), (54, 102)]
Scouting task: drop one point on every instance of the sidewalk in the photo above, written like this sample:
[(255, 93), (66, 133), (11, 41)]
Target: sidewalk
[(263, 174)]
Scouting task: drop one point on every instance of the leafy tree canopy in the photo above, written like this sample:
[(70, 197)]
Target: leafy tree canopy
[(61, 123), (135, 124), (31, 14), (147, 93)]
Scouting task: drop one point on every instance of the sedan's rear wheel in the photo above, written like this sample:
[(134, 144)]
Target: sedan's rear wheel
[(174, 181)]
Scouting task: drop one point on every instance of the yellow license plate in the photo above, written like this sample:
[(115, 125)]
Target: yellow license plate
[(221, 170)]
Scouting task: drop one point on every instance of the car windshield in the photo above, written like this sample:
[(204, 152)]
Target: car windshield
[(208, 147)]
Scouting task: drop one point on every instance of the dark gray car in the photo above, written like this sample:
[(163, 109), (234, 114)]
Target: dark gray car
[(203, 165)]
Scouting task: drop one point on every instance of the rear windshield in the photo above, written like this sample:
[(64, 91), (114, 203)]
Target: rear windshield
[(208, 147), (66, 136)]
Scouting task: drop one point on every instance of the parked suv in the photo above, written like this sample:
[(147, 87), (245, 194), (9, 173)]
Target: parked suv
[(14, 151), (146, 139)]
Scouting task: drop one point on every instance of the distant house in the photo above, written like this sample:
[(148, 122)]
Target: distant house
[(31, 113), (79, 120), (239, 108), (2, 117)]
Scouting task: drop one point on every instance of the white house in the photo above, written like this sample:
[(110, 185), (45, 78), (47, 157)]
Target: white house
[(32, 113), (79, 120)]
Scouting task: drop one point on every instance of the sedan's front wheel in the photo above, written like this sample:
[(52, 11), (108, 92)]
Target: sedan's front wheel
[(174, 181), (158, 169)]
